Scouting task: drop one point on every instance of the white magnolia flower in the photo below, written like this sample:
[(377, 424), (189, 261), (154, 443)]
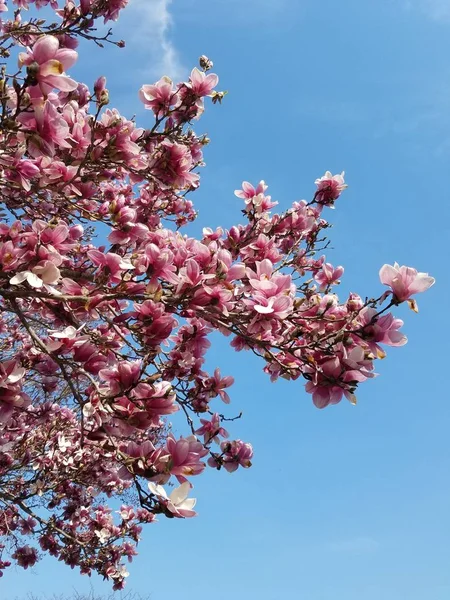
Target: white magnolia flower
[(27, 276), (63, 444), (178, 502), (103, 535), (69, 332), (47, 273), (120, 572)]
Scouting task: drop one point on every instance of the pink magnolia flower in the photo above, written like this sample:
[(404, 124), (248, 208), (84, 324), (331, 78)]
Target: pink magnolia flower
[(248, 191), (111, 9), (185, 456), (405, 281), (22, 3), (190, 275), (158, 399), (158, 263), (218, 385), (333, 378), (9, 255), (262, 247), (121, 376), (87, 353), (321, 388), (52, 131), (113, 264), (278, 307), (20, 170), (159, 97), (56, 171), (126, 512), (328, 275), (26, 556), (46, 63), (211, 430), (131, 416), (268, 283), (215, 296), (173, 165), (27, 526), (10, 400), (178, 502), (158, 324), (234, 454), (381, 330), (52, 237), (329, 188), (259, 205), (202, 84)]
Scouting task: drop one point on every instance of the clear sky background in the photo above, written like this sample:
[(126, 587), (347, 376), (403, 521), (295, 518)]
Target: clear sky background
[(349, 503)]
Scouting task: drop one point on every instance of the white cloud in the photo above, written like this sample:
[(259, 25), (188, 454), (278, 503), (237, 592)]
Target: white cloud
[(146, 26), (356, 545)]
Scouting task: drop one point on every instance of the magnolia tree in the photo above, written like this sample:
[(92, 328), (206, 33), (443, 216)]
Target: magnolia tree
[(100, 343)]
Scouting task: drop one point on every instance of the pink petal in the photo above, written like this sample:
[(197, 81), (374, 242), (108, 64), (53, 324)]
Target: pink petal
[(212, 80), (97, 257), (321, 398), (67, 57), (181, 451), (45, 48), (421, 283), (397, 338), (196, 76), (61, 82), (387, 274)]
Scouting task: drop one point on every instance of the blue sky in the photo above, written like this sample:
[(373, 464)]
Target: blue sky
[(349, 503)]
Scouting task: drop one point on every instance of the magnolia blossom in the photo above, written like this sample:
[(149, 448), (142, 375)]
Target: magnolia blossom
[(381, 330), (202, 84), (328, 275), (69, 333), (106, 327), (46, 63), (329, 188), (159, 97), (10, 373), (248, 191), (212, 429), (177, 502), (26, 556), (46, 273), (405, 281)]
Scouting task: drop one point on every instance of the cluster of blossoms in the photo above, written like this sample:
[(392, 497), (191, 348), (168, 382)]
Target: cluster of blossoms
[(100, 344)]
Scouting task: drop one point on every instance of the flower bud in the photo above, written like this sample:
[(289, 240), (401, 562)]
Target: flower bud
[(205, 63)]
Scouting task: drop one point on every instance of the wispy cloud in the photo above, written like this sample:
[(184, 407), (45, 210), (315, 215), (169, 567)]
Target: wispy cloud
[(147, 27), (355, 545)]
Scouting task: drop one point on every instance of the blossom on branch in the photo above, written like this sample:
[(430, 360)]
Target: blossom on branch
[(109, 306)]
